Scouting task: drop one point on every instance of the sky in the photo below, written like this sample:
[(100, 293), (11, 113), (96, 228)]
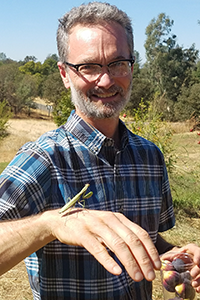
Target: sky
[(28, 27)]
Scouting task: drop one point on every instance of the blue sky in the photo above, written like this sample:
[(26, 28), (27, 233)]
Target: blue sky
[(28, 27)]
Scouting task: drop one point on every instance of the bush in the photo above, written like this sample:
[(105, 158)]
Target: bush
[(5, 115), (148, 124), (188, 103), (62, 108)]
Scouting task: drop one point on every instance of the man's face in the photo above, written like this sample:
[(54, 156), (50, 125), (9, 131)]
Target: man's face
[(106, 96)]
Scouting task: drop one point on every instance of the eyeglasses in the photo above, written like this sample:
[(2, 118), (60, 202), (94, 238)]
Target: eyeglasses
[(92, 71)]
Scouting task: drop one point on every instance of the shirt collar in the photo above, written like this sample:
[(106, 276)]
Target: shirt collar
[(89, 135)]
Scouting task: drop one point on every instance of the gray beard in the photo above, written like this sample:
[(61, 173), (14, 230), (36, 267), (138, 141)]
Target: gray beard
[(107, 110)]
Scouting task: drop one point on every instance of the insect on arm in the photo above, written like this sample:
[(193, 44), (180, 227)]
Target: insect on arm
[(76, 198)]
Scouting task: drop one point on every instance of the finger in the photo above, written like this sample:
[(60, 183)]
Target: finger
[(145, 240), (99, 251), (83, 234), (119, 246), (106, 235), (128, 248), (196, 281)]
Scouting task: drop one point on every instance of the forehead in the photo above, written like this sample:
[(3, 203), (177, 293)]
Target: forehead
[(107, 41)]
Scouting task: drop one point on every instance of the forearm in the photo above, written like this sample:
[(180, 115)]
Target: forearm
[(20, 238)]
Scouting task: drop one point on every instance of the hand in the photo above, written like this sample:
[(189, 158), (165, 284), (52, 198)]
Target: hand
[(95, 230), (194, 251)]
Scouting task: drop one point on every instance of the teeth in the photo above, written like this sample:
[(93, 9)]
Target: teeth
[(105, 95)]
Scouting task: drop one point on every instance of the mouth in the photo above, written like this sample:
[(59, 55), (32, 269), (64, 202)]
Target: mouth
[(105, 96)]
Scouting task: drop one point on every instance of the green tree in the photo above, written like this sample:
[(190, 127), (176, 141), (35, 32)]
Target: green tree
[(25, 93), (141, 85), (50, 65), (29, 58), (53, 87), (31, 68), (9, 80), (5, 115), (188, 103), (196, 72), (148, 124), (62, 108), (169, 65)]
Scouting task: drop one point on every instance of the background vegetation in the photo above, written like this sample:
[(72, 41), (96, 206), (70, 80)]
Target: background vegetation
[(164, 108), (170, 78)]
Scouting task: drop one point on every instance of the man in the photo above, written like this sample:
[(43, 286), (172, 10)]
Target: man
[(110, 248)]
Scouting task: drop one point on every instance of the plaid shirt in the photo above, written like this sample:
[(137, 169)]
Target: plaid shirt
[(45, 173)]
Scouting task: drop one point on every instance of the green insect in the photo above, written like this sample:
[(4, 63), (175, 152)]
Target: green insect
[(76, 198)]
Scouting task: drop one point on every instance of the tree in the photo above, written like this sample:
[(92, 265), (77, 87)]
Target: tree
[(5, 115), (53, 87), (30, 58), (141, 86), (50, 65), (169, 65), (31, 68), (188, 103), (62, 108), (26, 93), (2, 56), (9, 80)]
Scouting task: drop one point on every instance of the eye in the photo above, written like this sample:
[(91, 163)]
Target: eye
[(89, 68), (119, 64)]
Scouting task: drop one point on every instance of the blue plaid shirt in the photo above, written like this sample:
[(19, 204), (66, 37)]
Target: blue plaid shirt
[(44, 174)]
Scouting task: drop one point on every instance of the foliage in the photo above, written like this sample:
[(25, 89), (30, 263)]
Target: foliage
[(170, 67), (5, 115), (26, 92), (188, 103), (3, 165), (168, 79), (62, 108), (53, 87), (141, 88), (148, 124)]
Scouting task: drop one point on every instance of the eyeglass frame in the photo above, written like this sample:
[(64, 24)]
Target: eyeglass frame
[(77, 66)]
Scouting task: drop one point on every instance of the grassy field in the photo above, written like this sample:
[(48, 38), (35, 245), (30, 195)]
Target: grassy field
[(185, 184)]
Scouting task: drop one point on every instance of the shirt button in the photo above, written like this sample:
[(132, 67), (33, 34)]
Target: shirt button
[(117, 171), (121, 209), (95, 149)]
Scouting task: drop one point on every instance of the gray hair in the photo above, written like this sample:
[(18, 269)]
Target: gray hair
[(93, 13)]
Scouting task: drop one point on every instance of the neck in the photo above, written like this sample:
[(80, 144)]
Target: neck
[(108, 126)]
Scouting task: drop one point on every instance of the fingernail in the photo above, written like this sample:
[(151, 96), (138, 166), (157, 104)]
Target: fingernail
[(117, 270), (157, 264), (138, 276), (151, 276)]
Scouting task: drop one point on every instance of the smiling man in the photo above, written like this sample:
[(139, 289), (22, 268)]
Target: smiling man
[(110, 249)]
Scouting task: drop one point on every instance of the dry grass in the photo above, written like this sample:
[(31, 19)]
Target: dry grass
[(21, 131), (14, 284)]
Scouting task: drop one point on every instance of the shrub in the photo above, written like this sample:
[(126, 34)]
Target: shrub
[(5, 115), (62, 108), (148, 124)]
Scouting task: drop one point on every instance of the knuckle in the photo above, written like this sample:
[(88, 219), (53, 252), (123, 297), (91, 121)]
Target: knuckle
[(119, 243), (132, 239), (153, 251), (145, 261), (143, 234)]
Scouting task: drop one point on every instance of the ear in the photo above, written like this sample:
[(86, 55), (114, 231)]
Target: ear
[(132, 68), (64, 75)]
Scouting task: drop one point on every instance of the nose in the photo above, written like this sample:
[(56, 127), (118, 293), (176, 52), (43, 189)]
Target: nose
[(105, 80)]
